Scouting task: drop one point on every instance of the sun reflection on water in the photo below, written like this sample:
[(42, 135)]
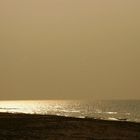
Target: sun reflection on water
[(97, 109), (36, 107)]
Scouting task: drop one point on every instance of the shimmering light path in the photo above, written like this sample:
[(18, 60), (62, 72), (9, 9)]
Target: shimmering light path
[(114, 110)]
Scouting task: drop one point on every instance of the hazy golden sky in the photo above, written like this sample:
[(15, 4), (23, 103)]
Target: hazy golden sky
[(69, 49)]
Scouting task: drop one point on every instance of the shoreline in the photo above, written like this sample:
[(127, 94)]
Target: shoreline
[(51, 127)]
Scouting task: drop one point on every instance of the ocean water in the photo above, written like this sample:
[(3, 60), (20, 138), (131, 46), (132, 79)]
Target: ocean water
[(124, 110)]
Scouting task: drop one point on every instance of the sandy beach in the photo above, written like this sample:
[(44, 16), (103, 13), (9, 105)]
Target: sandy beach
[(49, 127)]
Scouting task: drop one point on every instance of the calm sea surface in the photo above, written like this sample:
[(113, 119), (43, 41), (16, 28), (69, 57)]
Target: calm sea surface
[(125, 110)]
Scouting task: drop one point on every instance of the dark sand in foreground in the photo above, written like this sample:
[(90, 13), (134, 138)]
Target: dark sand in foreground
[(48, 127)]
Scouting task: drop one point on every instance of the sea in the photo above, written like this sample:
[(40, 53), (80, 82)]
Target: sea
[(117, 110)]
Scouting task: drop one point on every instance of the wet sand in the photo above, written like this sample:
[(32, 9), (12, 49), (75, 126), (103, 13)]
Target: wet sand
[(49, 127)]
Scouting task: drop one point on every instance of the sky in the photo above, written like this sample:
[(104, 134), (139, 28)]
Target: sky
[(69, 49)]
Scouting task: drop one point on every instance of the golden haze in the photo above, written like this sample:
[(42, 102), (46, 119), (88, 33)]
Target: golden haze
[(69, 49)]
